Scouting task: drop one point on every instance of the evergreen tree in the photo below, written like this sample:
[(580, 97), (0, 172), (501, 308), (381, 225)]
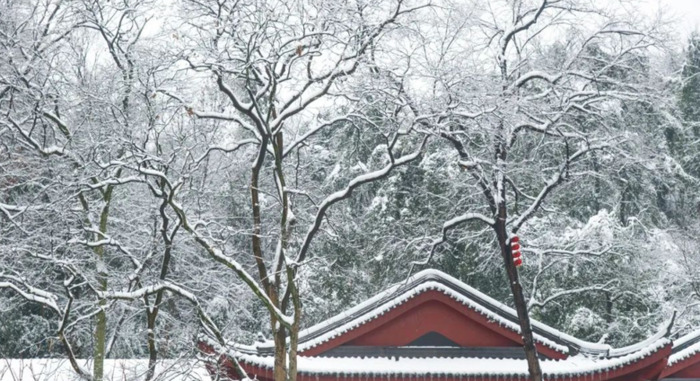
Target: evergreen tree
[(690, 92)]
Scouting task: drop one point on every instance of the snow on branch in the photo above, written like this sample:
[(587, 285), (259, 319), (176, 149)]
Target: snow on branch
[(446, 227), (316, 129), (470, 115), (41, 148), (466, 218), (571, 253), (510, 33), (214, 115), (213, 250), (540, 304), (474, 167), (114, 181), (343, 67), (208, 323), (48, 299), (553, 183), (8, 210), (62, 126), (228, 149), (30, 293), (245, 108), (231, 263), (109, 241), (536, 74), (545, 127), (345, 193)]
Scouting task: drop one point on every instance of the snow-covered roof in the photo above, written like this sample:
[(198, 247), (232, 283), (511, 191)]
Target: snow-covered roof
[(468, 296), (114, 370), (456, 366), (685, 347)]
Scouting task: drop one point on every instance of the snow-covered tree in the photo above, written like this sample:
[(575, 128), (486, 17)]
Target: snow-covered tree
[(544, 94), (233, 167)]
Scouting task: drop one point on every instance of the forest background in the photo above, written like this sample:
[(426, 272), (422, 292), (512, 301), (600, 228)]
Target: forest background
[(243, 169)]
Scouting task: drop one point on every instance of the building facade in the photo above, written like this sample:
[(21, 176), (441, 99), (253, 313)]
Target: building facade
[(434, 327)]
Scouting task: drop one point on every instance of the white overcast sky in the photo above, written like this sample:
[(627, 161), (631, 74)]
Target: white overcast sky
[(687, 13)]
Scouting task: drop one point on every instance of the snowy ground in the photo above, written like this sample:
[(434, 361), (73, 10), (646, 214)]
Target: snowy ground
[(115, 370)]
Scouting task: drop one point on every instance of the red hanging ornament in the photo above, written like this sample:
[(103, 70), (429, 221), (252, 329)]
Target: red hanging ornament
[(515, 250)]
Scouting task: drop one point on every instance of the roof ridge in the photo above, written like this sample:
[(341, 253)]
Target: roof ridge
[(686, 341), (578, 365), (662, 333), (362, 313)]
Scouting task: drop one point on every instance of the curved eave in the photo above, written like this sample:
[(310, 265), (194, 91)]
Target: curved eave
[(685, 353), (644, 363), (686, 341), (398, 294), (428, 292)]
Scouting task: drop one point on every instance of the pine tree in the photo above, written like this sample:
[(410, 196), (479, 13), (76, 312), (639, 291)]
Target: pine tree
[(690, 92), (685, 145)]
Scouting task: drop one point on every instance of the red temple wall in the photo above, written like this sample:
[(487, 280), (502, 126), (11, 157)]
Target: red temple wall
[(692, 371), (488, 332), (433, 316)]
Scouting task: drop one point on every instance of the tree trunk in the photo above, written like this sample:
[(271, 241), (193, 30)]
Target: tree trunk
[(152, 349), (294, 332), (533, 363), (100, 337), (101, 324), (280, 370), (501, 155)]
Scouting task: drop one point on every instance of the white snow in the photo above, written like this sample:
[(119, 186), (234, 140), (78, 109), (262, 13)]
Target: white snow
[(684, 339), (661, 333), (115, 370), (687, 352), (399, 299), (403, 298), (600, 357), (684, 354), (440, 366)]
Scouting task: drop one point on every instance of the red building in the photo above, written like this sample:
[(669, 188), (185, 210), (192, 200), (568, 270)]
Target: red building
[(684, 362), (434, 327)]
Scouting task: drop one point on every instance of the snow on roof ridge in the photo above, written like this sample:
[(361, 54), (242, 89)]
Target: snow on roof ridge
[(579, 364), (347, 313), (360, 306), (409, 294), (582, 344), (425, 277), (686, 338), (244, 347), (427, 274), (689, 350), (684, 354), (533, 322), (662, 332)]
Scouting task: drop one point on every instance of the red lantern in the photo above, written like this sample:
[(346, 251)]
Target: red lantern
[(515, 250)]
